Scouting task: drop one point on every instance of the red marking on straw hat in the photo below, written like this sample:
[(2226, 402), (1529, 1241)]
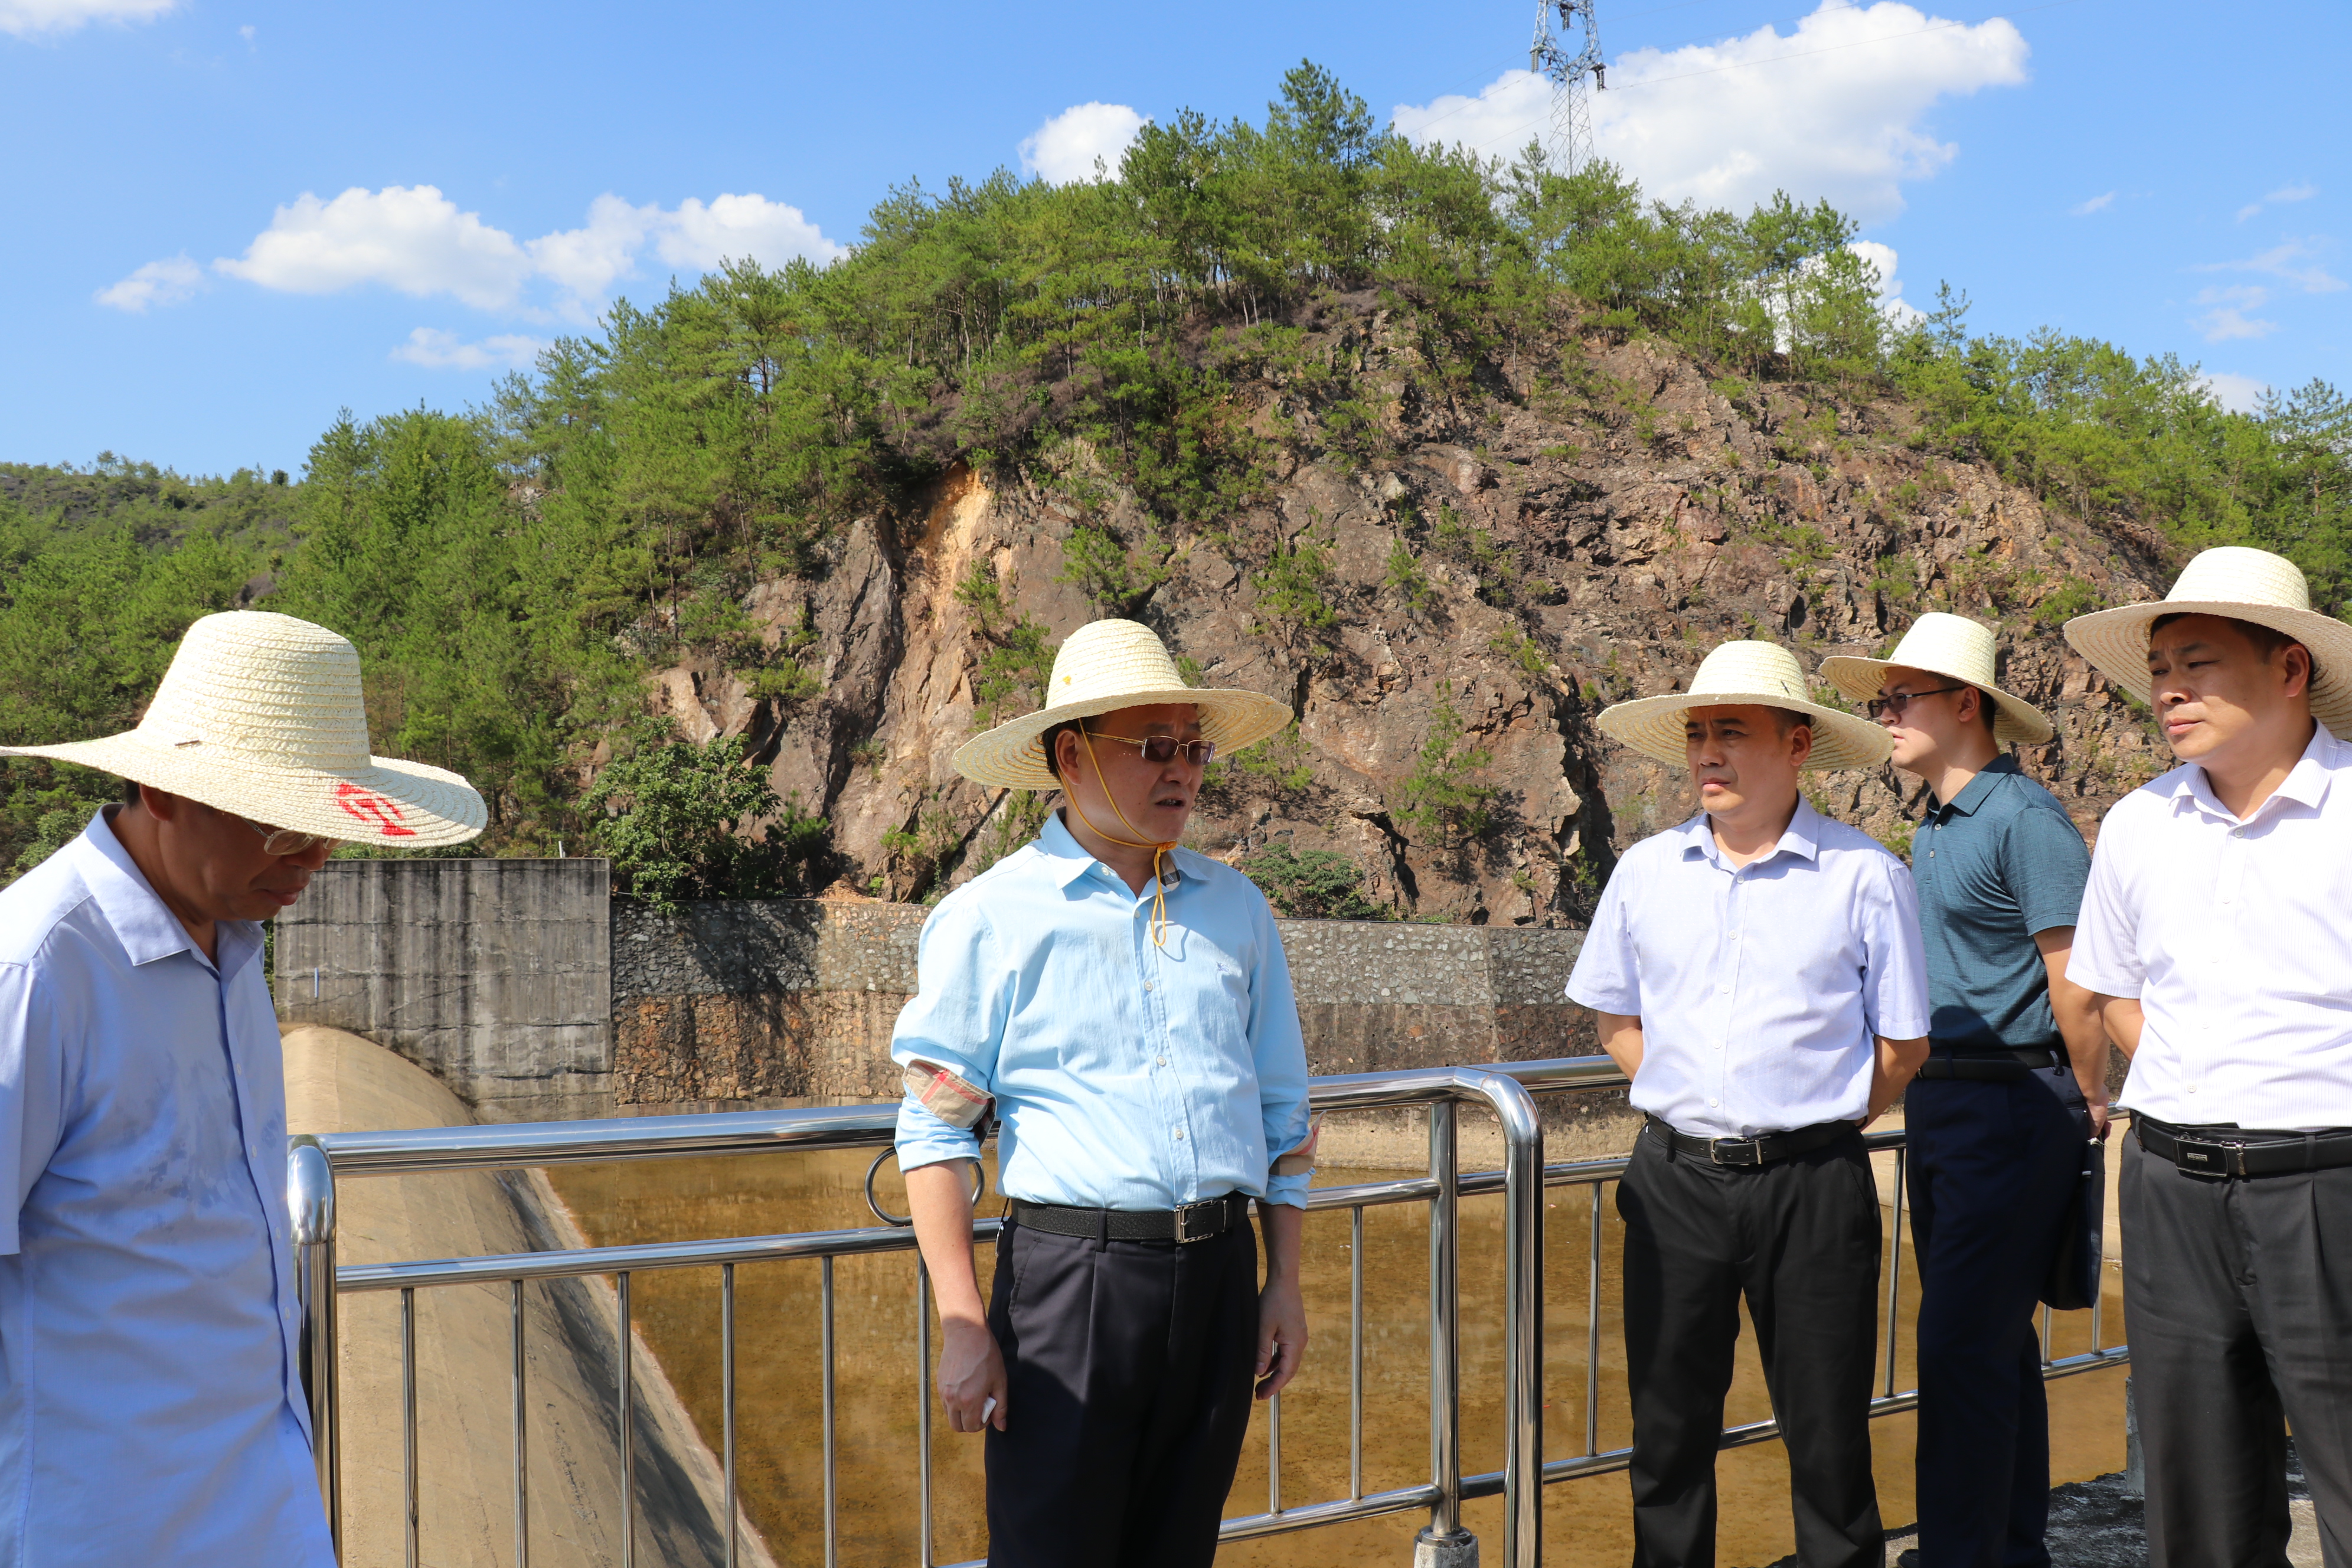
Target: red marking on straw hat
[(365, 804)]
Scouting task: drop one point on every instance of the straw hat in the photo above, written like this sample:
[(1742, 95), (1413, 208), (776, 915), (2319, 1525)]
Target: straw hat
[(2244, 585), (1950, 646), (1745, 672), (1105, 666), (260, 716)]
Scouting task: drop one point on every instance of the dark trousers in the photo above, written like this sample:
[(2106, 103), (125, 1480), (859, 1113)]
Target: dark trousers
[(1992, 1167), (2239, 1301), (1129, 1367), (1801, 1240)]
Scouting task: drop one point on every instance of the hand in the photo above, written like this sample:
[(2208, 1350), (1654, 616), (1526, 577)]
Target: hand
[(2100, 1116), (1281, 1336), (972, 1374)]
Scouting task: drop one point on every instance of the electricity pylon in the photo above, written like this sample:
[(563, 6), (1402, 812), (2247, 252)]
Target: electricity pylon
[(1558, 54)]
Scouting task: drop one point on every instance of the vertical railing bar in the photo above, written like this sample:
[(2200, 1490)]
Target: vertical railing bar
[(628, 1433), (832, 1521), (1894, 1268), (727, 1393), (408, 1419), (2098, 1304), (1444, 1325), (1274, 1455), (923, 1402), (1355, 1353), (1592, 1335), (522, 1438), (2045, 1333)]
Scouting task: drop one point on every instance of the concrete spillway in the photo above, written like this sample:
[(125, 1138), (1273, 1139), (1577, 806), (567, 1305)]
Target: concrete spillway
[(338, 1082)]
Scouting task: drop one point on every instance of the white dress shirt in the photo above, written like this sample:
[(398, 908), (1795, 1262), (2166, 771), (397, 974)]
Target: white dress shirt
[(2235, 937), (151, 1406), (1759, 987)]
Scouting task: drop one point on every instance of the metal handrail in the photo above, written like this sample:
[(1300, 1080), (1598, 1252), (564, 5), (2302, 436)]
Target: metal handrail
[(315, 1164)]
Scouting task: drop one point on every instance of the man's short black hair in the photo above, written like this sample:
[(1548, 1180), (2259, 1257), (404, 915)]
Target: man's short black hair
[(1786, 720), (1053, 744), (130, 791), (2267, 640), (1988, 710)]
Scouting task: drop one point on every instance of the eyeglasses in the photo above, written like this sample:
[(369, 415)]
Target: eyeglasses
[(286, 841), (1896, 704), (1163, 748)]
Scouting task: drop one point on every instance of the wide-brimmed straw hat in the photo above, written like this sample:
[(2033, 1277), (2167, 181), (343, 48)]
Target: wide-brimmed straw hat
[(1953, 647), (1105, 666), (1734, 675), (2244, 584), (260, 716)]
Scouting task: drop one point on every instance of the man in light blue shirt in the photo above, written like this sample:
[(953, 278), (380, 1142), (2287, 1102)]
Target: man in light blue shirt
[(151, 1406), (1759, 975), (1125, 1007)]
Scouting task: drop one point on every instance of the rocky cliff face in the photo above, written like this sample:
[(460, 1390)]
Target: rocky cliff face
[(1575, 525)]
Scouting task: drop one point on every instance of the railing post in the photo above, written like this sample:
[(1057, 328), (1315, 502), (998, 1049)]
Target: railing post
[(1444, 1543), (1523, 1326), (311, 1201)]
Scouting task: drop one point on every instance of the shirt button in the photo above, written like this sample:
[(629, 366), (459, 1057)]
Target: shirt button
[(1723, 990), (2192, 1088), (1179, 1135), (1163, 1061), (1715, 1103), (1147, 985)]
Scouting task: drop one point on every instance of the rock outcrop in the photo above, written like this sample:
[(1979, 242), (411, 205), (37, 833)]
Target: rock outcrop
[(1575, 525)]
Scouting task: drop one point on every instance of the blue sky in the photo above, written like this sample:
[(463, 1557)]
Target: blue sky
[(229, 220)]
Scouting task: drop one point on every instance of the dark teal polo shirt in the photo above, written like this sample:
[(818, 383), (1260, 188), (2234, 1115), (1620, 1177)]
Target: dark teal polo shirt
[(2000, 863)]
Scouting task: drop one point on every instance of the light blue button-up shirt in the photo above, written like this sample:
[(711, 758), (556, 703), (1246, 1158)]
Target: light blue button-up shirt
[(1759, 987), (1126, 1075), (151, 1406)]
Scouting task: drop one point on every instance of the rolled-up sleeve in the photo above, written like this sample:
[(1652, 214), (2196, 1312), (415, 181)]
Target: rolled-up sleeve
[(1894, 973), (1280, 1050), (32, 1100), (2106, 954), (954, 1021), (1606, 976)]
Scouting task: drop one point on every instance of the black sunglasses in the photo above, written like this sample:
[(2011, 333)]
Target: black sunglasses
[(1163, 748), (1902, 699)]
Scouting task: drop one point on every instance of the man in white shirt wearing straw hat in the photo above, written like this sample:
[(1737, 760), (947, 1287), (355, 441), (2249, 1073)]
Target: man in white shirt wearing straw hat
[(2001, 1114), (1126, 1006), (1757, 974), (151, 1406), (2217, 932)]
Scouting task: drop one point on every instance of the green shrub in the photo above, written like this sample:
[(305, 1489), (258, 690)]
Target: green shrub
[(679, 821), (1313, 885)]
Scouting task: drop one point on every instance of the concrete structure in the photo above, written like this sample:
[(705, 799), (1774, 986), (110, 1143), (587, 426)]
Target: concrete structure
[(339, 1082)]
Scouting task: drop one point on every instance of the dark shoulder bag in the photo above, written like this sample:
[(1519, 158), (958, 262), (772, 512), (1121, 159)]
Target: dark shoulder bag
[(2074, 1281)]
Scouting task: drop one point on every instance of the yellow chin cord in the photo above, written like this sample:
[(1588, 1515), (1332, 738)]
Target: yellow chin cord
[(1159, 850)]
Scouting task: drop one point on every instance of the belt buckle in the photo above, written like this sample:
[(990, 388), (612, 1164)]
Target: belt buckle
[(1185, 1213), (2208, 1157), (1754, 1151)]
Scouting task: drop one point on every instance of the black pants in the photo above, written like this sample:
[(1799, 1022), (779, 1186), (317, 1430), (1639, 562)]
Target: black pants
[(1129, 1365), (1801, 1240), (2240, 1300), (1992, 1167)]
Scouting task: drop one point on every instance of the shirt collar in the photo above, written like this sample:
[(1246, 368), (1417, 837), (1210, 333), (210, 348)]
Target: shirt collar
[(147, 929), (1067, 859), (2305, 784), (1801, 838), (1972, 793)]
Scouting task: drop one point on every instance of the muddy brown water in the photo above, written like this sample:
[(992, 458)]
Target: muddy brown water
[(779, 1388)]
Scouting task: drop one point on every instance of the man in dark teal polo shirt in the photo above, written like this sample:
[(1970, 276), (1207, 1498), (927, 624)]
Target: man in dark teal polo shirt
[(2015, 1083)]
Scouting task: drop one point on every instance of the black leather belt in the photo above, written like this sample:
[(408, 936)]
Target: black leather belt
[(2009, 1066), (1193, 1222), (1764, 1151), (2234, 1152)]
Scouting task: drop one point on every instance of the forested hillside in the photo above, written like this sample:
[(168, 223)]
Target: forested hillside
[(1448, 451)]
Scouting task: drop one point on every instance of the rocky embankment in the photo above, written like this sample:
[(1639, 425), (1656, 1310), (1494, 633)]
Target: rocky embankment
[(1574, 525)]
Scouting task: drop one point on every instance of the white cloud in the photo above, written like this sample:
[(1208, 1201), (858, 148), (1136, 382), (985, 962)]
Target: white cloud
[(1899, 311), (2294, 260), (438, 350), (408, 237), (2227, 318), (414, 239), (1833, 110), (23, 18), (2299, 193), (166, 282), (2099, 203), (1064, 148), (2238, 393)]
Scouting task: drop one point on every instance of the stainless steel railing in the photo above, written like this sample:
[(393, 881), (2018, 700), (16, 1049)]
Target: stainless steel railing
[(316, 1165)]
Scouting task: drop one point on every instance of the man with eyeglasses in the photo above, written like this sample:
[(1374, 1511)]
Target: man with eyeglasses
[(2016, 1080), (1125, 1007), (152, 1407)]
